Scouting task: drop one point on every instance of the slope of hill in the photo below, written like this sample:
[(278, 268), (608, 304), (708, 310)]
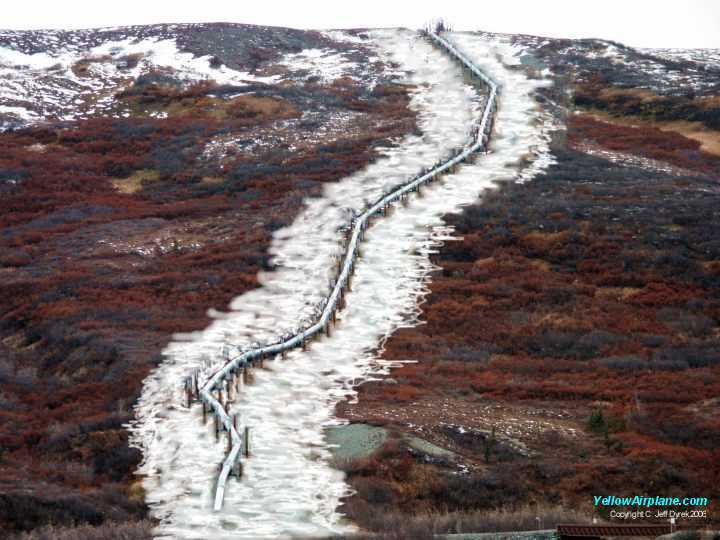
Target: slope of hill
[(570, 339), (291, 398), (566, 344), (123, 224)]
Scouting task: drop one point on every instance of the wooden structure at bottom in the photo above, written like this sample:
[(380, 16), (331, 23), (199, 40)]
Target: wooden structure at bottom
[(585, 532)]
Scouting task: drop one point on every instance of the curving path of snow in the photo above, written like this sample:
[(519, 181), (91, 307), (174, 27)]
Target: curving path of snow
[(179, 455), (288, 488)]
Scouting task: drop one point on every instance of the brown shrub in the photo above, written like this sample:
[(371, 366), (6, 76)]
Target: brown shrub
[(139, 530)]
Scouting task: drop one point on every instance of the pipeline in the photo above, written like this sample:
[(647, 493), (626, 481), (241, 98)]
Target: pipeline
[(479, 140)]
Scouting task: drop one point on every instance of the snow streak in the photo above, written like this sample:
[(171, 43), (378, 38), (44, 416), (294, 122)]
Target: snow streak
[(288, 487)]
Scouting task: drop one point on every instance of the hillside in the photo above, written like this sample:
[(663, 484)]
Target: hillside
[(544, 322), (165, 159), (569, 341)]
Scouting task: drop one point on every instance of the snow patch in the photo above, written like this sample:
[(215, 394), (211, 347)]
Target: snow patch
[(16, 59), (164, 53), (41, 86), (324, 64)]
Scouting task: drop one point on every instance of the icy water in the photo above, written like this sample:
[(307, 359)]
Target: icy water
[(288, 488)]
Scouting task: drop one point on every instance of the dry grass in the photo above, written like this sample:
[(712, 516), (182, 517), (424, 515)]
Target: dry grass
[(134, 182), (138, 530), (257, 107), (541, 265), (136, 491), (613, 92), (212, 180), (560, 320), (541, 240), (192, 106), (708, 139), (711, 266), (621, 293), (248, 107), (81, 67), (523, 519), (400, 526), (709, 101)]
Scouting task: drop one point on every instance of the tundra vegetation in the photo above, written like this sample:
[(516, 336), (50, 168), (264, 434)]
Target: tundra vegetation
[(570, 343), (576, 316), (116, 233)]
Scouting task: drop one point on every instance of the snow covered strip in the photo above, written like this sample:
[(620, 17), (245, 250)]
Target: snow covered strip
[(360, 223)]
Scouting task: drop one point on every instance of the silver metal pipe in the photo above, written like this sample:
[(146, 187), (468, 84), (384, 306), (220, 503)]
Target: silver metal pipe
[(215, 381)]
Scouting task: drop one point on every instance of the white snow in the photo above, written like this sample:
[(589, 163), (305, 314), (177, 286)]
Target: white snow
[(19, 112), (343, 36), (164, 53), (520, 126), (660, 77), (288, 487), (325, 64), (15, 59), (47, 83), (708, 57)]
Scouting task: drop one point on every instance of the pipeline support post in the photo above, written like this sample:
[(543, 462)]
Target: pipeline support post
[(246, 441)]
